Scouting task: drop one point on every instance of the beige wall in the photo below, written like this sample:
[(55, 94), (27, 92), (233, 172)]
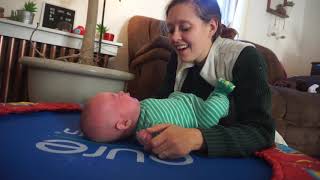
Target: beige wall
[(302, 42), (310, 43)]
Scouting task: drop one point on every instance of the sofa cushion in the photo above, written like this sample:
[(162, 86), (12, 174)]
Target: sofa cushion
[(302, 83), (278, 109)]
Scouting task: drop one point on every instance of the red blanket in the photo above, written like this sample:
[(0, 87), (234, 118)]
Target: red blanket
[(289, 164), (24, 107)]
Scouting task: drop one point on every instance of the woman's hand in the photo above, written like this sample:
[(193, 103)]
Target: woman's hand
[(144, 138), (174, 141)]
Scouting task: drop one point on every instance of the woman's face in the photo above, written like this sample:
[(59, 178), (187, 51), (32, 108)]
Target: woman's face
[(189, 35)]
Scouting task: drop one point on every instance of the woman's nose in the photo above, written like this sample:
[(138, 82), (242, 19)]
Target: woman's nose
[(175, 36)]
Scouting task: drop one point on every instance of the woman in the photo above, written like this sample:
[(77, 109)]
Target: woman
[(201, 57)]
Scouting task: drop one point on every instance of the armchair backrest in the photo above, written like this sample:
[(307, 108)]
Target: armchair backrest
[(142, 30), (276, 71)]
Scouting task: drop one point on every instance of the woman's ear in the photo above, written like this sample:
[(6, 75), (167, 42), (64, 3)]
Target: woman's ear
[(123, 124), (213, 26)]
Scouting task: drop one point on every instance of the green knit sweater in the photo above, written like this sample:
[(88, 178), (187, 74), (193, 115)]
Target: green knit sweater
[(186, 109), (249, 126)]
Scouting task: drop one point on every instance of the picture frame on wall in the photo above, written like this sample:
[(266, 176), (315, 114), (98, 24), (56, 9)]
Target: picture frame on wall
[(57, 17)]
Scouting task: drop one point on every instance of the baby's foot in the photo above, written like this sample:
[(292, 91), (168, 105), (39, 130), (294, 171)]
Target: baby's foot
[(224, 86), (144, 138)]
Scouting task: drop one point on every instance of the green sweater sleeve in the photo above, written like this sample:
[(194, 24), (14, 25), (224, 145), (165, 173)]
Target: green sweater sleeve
[(253, 128)]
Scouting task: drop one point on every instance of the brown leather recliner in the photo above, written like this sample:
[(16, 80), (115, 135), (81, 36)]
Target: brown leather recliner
[(296, 113)]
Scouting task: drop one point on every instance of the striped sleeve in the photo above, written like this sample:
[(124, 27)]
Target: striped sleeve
[(209, 112)]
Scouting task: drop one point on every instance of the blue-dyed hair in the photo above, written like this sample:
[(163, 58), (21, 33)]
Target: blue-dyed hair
[(205, 9)]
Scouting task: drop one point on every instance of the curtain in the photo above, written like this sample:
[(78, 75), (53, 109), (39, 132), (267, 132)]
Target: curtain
[(234, 13), (228, 10)]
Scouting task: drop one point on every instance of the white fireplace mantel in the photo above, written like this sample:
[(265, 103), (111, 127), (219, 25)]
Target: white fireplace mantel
[(51, 36)]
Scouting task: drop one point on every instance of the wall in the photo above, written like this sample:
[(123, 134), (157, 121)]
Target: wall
[(310, 45), (296, 51), (302, 42), (116, 17)]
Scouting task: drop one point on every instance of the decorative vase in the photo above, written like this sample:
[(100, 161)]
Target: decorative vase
[(108, 36), (58, 81), (25, 16)]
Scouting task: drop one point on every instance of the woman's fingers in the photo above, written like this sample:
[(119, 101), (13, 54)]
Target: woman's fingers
[(161, 148), (158, 140), (170, 154), (158, 128), (174, 142)]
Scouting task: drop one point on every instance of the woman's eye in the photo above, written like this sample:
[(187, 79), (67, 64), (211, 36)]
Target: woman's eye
[(184, 28), (181, 28), (170, 30)]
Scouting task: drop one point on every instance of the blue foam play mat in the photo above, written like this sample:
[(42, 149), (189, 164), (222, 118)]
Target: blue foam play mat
[(49, 145)]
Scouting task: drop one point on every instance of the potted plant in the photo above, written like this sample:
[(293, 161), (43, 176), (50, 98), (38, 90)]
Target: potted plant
[(14, 16), (1, 12), (104, 31), (58, 81), (26, 14), (101, 30)]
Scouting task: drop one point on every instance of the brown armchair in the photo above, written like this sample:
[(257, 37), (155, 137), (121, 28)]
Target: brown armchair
[(296, 113), (149, 51)]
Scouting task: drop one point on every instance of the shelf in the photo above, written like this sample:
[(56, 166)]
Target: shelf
[(44, 35), (274, 12)]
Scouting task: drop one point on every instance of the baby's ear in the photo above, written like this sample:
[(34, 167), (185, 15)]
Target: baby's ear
[(123, 125)]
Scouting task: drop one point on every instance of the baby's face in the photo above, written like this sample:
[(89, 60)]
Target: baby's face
[(104, 110), (124, 99)]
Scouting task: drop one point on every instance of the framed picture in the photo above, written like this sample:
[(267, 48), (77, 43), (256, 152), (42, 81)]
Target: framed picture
[(57, 17)]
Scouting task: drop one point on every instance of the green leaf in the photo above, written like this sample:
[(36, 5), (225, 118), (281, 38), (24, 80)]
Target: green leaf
[(30, 6), (101, 29)]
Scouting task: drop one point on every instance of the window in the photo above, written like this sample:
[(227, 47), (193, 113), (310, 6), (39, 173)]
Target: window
[(228, 10)]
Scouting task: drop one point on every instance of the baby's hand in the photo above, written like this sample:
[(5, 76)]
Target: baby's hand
[(144, 138)]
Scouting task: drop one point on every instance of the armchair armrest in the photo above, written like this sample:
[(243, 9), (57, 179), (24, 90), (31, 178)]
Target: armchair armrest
[(302, 108), (149, 70), (298, 118), (155, 54), (149, 66), (158, 42)]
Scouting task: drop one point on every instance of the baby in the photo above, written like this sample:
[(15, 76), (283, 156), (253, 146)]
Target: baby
[(111, 116)]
